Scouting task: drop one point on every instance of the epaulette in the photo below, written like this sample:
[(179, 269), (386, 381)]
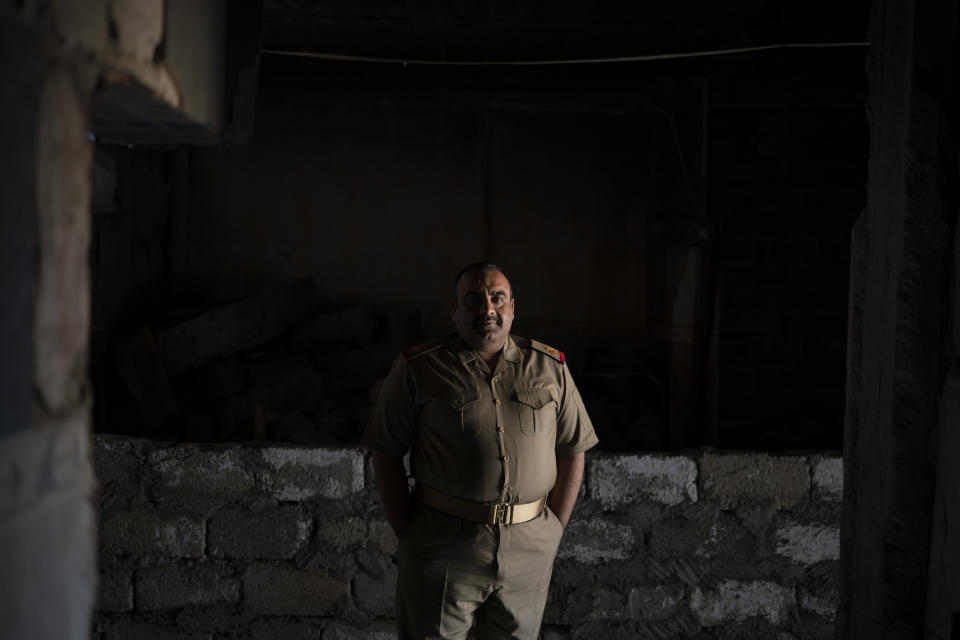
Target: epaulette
[(556, 354), (425, 347)]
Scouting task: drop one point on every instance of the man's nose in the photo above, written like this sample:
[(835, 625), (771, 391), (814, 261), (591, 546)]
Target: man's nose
[(488, 306)]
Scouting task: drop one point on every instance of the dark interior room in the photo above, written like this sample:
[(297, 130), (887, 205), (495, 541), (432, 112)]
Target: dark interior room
[(734, 224)]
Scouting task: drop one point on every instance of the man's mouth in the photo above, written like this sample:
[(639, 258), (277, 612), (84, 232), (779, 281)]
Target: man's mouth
[(486, 323)]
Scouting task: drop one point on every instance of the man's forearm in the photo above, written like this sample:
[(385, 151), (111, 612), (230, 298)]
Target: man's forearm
[(564, 493), (392, 485)]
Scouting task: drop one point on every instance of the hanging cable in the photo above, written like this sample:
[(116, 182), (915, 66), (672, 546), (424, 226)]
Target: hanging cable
[(539, 63)]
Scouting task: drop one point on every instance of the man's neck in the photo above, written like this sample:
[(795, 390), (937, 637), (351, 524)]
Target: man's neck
[(491, 359)]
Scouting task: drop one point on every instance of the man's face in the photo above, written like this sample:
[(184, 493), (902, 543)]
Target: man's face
[(483, 310)]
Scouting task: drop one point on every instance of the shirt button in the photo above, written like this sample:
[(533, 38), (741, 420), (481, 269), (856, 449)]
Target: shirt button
[(497, 401), (506, 458), (496, 380), (537, 404), (500, 429)]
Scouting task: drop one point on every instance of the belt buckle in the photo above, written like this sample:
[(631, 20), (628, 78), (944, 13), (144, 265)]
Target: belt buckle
[(500, 514)]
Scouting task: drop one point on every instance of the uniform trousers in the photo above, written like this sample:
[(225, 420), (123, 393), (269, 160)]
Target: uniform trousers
[(455, 573)]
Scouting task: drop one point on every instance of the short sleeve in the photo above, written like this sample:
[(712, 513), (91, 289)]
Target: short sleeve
[(390, 428), (575, 433)]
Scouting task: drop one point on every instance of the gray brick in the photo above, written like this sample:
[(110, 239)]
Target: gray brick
[(115, 589), (285, 590), (266, 534), (380, 630), (173, 586), (140, 532), (828, 479), (734, 478), (723, 537), (822, 603), (294, 474), (377, 597), (273, 629), (341, 533), (627, 479), (607, 604), (808, 544), (596, 540), (117, 460), (655, 602), (130, 630), (205, 471), (383, 537), (736, 601)]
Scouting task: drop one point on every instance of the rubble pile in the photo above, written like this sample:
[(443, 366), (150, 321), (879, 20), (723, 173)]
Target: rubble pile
[(278, 366)]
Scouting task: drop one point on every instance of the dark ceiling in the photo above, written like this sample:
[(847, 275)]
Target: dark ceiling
[(527, 30)]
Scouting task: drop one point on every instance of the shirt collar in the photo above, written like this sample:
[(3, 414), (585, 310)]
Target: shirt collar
[(510, 351)]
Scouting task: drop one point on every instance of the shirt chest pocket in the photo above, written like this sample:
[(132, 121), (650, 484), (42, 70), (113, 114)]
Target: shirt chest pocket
[(537, 412), (454, 408)]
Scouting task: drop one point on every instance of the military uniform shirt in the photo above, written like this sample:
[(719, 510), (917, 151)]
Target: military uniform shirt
[(480, 435)]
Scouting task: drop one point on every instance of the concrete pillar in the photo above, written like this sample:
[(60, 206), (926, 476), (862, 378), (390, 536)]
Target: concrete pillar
[(898, 336), (47, 523)]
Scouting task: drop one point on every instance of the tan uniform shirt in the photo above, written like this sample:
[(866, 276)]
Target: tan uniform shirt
[(481, 435)]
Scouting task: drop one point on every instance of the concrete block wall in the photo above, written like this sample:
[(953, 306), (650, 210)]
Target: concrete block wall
[(254, 541)]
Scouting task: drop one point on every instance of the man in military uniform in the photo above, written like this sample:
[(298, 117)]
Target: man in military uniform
[(496, 432)]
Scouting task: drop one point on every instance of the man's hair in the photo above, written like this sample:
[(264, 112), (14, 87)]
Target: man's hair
[(479, 266)]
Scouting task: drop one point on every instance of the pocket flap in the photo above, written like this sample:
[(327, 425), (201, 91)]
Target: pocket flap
[(465, 397), (536, 398)]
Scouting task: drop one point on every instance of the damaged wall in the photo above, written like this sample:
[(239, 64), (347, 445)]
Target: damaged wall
[(254, 541)]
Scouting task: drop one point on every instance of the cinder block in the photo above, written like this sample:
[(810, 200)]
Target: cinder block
[(828, 479), (733, 478), (341, 533), (655, 602), (140, 532), (622, 479), (294, 474), (377, 597), (382, 536), (130, 630), (607, 604), (285, 590), (117, 459), (174, 586), (204, 471), (380, 630), (115, 589), (271, 534), (808, 544), (596, 540), (734, 601), (723, 537), (273, 629), (823, 603)]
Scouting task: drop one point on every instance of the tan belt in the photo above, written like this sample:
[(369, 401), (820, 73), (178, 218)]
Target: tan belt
[(482, 512)]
